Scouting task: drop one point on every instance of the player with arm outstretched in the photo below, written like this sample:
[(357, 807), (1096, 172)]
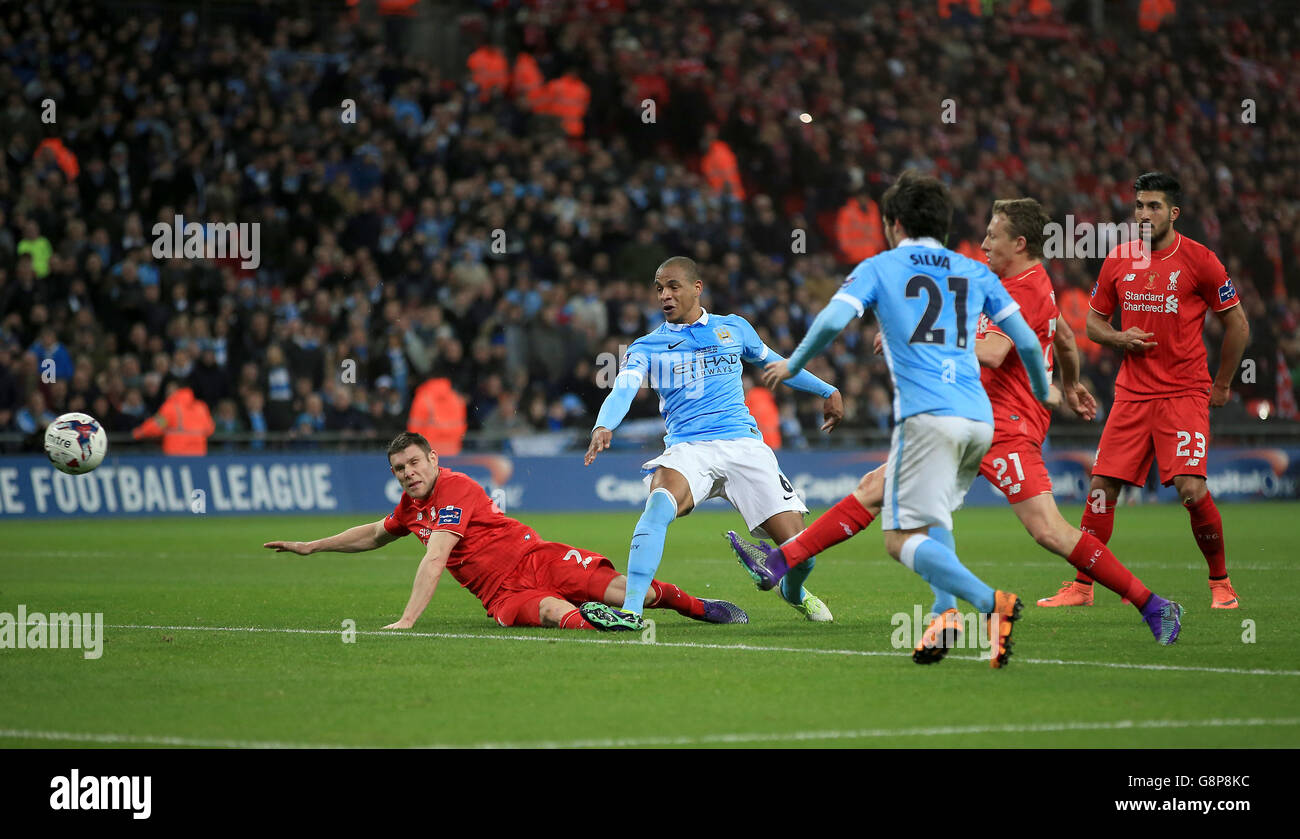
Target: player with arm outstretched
[(714, 448), (928, 300), (521, 579), (1014, 463), (1163, 393)]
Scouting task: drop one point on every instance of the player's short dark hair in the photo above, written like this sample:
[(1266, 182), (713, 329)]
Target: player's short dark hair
[(1160, 182), (408, 438), (688, 265), (1025, 217), (920, 203)]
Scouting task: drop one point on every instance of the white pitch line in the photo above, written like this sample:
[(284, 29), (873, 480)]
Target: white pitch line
[(1238, 671), (154, 740), (701, 740), (871, 733)]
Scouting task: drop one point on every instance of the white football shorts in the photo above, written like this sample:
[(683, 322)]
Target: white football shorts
[(932, 462), (743, 471)]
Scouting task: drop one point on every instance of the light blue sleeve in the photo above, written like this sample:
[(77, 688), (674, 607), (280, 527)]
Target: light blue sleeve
[(752, 348), (805, 381), (829, 323), (861, 287), (756, 352), (632, 372)]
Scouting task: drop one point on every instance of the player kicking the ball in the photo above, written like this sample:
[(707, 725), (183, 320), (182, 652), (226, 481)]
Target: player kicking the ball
[(714, 447), (1163, 393), (521, 579), (1014, 463)]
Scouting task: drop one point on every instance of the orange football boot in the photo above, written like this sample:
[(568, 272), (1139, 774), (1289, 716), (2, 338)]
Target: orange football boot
[(1006, 611), (939, 637), (1071, 593), (1222, 596)]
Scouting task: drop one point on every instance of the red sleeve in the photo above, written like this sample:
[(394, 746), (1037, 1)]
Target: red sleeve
[(393, 522), (1213, 283), (459, 501), (988, 327), (1103, 291)]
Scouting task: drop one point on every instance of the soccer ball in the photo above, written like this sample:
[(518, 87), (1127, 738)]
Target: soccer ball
[(76, 443)]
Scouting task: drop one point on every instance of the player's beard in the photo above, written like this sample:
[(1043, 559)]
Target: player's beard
[(1158, 233)]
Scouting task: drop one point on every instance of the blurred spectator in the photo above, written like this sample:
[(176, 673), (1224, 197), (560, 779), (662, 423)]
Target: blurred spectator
[(439, 413), (48, 349), (32, 417), (312, 418), (859, 231), (762, 404), (183, 422)]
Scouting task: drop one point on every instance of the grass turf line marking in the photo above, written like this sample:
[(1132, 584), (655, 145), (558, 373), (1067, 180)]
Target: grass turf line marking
[(154, 740), (1239, 671), (870, 733), (702, 740)]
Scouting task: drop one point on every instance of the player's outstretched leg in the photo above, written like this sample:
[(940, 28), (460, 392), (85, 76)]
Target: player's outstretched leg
[(668, 596), (648, 547), (1043, 520), (560, 613), (786, 526), (1098, 521), (768, 566)]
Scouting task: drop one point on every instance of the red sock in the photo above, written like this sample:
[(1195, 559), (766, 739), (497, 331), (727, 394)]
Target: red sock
[(1207, 527), (1098, 523), (669, 596), (574, 620), (835, 525), (1094, 558)]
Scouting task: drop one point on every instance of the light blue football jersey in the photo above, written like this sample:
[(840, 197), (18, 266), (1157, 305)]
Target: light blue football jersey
[(928, 300), (696, 368)]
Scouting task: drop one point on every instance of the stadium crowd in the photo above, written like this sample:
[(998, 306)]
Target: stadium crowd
[(496, 229)]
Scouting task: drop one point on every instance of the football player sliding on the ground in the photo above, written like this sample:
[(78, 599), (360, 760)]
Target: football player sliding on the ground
[(521, 579), (1014, 463)]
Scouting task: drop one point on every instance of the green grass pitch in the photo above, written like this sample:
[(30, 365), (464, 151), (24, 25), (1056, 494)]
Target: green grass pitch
[(1079, 677)]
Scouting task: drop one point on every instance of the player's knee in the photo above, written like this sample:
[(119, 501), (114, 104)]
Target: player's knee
[(551, 611), (870, 497), (870, 491), (1190, 491), (660, 509), (616, 591), (1051, 535)]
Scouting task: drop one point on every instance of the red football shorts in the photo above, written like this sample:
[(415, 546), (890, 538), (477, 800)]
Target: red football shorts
[(1175, 431), (551, 569), (1014, 465)]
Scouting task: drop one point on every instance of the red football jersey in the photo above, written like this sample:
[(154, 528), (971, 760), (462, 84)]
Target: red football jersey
[(491, 543), (1008, 385), (1168, 295)]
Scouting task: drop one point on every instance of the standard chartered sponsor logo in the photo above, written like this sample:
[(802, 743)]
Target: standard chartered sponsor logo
[(1138, 301)]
